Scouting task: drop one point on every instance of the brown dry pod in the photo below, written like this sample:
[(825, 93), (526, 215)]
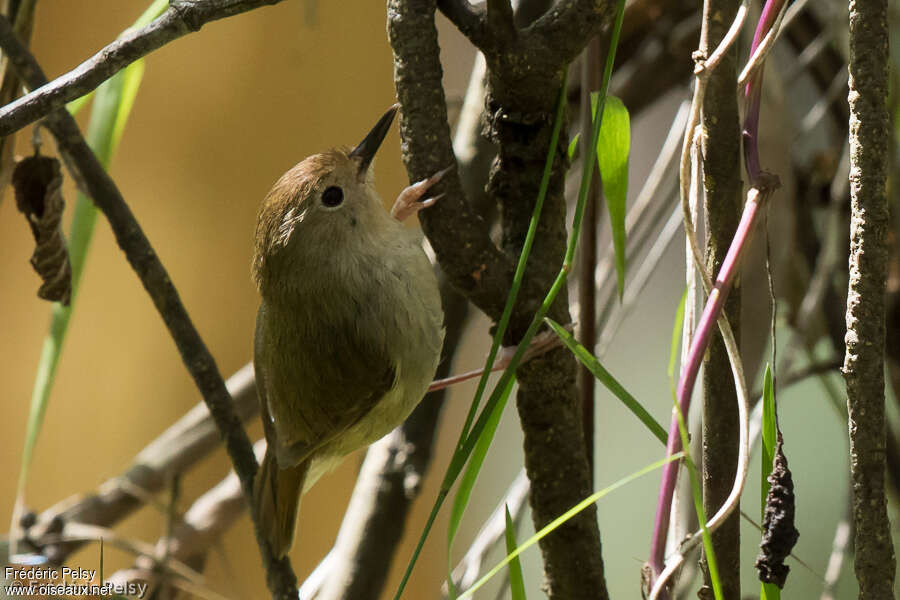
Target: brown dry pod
[(779, 533), (37, 182)]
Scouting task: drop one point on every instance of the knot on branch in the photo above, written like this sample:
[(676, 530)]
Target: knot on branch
[(188, 13), (699, 57)]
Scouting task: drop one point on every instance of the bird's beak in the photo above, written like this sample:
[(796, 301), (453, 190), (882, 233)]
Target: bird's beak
[(369, 146)]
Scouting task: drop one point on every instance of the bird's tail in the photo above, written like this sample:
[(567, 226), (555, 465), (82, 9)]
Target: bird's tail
[(276, 493)]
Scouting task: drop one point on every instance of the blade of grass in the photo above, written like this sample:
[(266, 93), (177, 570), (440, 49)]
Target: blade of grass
[(573, 146), (676, 342), (768, 591), (612, 159), (550, 527), (606, 378), (113, 101), (516, 579), (464, 491)]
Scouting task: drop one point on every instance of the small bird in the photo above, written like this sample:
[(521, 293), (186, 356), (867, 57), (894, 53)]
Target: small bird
[(350, 325)]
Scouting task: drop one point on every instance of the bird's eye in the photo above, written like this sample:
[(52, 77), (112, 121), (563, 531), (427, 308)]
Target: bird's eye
[(332, 196)]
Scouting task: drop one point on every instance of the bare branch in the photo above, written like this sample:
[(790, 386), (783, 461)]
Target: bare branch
[(156, 281), (568, 26), (471, 21), (870, 140), (500, 20), (459, 236), (182, 17)]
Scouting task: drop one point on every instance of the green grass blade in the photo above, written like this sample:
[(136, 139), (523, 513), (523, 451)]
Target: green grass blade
[(605, 377), (516, 579), (768, 591), (78, 103), (613, 147), (464, 491), (155, 9), (554, 524), (573, 146), (131, 82), (676, 341), (479, 453)]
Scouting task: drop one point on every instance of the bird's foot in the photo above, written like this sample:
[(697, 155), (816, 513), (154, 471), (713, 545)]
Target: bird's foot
[(408, 203)]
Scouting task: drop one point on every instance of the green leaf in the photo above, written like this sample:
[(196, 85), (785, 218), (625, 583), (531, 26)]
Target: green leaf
[(516, 579), (610, 382), (555, 523), (131, 82), (154, 10), (612, 158)]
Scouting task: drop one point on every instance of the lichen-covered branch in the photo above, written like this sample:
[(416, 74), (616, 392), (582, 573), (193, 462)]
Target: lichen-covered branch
[(458, 234), (870, 138)]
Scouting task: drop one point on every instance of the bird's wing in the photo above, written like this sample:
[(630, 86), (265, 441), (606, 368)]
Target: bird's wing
[(314, 389)]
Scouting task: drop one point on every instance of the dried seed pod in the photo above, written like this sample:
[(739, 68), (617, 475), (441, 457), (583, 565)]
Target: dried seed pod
[(779, 533), (37, 182)]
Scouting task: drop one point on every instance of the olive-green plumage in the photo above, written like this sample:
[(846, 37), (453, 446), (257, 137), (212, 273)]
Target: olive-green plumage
[(349, 330)]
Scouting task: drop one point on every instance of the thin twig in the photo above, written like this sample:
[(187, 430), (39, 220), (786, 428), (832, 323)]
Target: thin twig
[(182, 17), (211, 515)]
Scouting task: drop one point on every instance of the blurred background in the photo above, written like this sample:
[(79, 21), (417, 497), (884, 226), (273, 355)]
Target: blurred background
[(219, 116)]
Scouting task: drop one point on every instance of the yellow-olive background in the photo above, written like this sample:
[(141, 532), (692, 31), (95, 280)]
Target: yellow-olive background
[(219, 116)]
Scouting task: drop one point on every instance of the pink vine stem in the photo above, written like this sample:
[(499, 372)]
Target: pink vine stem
[(762, 187)]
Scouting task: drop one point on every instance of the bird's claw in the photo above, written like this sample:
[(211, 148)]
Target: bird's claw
[(408, 202)]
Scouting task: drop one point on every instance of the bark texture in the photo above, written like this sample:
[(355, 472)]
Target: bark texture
[(870, 132)]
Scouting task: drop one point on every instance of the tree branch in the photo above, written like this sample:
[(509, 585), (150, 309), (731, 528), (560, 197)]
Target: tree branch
[(182, 17), (870, 140), (723, 207), (143, 259), (458, 234), (568, 26), (471, 21), (523, 81)]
